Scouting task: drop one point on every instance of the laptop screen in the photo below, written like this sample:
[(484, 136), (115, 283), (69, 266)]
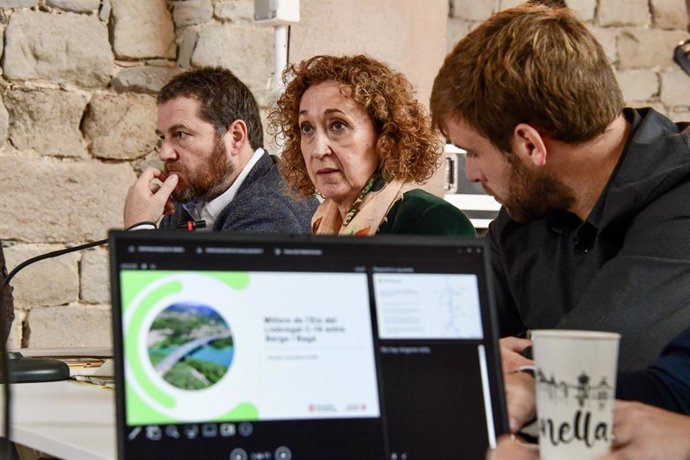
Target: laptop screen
[(236, 346)]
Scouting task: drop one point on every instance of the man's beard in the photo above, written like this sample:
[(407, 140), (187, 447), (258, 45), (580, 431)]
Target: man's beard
[(208, 181), (533, 193)]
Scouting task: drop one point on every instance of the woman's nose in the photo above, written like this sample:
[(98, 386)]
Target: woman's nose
[(321, 145)]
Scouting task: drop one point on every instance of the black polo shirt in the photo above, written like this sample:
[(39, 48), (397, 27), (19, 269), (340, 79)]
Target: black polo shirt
[(626, 268)]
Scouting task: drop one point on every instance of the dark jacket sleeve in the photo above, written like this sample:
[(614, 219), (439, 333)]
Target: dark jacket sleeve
[(666, 383), (6, 301)]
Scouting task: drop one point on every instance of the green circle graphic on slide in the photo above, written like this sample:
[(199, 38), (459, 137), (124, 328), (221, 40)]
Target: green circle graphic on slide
[(155, 400)]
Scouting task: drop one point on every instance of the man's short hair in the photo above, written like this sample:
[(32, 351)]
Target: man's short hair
[(549, 3), (530, 64), (223, 99)]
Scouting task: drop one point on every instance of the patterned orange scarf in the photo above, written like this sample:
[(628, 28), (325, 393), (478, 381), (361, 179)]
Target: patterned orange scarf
[(372, 212)]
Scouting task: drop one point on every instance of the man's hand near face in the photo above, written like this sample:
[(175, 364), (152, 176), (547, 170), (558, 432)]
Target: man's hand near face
[(148, 199)]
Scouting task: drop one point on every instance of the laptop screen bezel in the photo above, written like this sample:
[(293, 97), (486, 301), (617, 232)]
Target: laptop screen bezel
[(119, 239)]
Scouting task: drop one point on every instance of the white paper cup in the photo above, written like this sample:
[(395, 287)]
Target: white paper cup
[(575, 374)]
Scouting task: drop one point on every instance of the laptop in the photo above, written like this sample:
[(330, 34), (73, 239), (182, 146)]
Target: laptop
[(270, 347)]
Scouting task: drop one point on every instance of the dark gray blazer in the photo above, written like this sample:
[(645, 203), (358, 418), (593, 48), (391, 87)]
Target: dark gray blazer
[(261, 205)]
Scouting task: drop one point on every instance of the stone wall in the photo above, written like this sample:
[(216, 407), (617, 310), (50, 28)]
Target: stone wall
[(638, 36), (78, 80)]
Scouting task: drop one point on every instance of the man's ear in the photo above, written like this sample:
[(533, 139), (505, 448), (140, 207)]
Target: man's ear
[(236, 137), (528, 144)]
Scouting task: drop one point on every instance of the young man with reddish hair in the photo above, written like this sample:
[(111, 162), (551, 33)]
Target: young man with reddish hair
[(593, 231)]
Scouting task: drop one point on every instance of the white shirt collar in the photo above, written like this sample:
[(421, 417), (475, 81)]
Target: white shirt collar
[(210, 211)]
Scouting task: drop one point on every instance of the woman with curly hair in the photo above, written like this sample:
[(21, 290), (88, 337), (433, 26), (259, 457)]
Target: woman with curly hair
[(353, 132)]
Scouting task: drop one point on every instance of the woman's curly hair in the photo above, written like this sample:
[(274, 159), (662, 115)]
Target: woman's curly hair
[(407, 147)]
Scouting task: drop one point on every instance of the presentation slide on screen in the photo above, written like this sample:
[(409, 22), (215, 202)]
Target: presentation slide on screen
[(427, 306), (232, 346)]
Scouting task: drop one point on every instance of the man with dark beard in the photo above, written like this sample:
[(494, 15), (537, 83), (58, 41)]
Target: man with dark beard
[(215, 167), (593, 232)]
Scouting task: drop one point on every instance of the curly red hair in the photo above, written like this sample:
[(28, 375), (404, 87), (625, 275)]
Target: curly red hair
[(407, 147)]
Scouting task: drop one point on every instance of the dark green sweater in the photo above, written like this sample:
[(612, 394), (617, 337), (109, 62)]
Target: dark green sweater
[(421, 213)]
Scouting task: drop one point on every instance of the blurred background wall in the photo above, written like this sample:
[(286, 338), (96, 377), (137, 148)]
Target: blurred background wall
[(77, 117)]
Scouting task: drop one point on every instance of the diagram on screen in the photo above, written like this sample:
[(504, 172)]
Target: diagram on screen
[(429, 306)]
